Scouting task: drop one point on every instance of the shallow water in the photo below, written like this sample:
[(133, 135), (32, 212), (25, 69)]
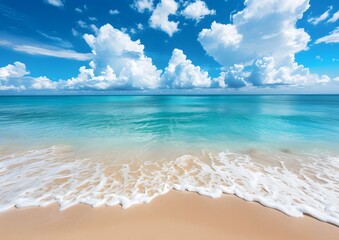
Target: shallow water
[(281, 151)]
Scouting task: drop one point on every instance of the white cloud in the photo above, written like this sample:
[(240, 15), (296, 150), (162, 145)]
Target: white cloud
[(265, 72), (322, 17), (334, 18), (221, 38), (118, 62), (51, 52), (235, 77), (258, 48), (143, 5), (159, 18), (333, 37), (11, 88), (56, 3), (197, 11), (181, 73), (13, 77), (86, 79), (257, 32), (78, 10), (45, 50), (15, 70), (43, 83), (140, 26), (113, 12)]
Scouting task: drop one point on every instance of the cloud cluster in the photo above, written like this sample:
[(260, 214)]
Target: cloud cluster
[(15, 70), (14, 77), (197, 10), (264, 73), (160, 15), (117, 63), (258, 48), (257, 31)]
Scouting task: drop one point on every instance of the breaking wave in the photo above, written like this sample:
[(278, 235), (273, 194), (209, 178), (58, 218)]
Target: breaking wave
[(295, 184)]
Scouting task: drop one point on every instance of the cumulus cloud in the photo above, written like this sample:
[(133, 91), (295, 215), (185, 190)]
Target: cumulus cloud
[(43, 83), (118, 62), (143, 5), (265, 72), (197, 10), (56, 3), (322, 17), (181, 73), (87, 79), (333, 37), (334, 18), (15, 70), (159, 18), (257, 31), (258, 48), (14, 77), (222, 38)]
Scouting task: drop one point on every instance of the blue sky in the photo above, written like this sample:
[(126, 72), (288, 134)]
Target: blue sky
[(264, 45)]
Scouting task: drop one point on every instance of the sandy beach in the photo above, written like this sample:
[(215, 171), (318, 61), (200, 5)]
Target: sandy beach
[(176, 215)]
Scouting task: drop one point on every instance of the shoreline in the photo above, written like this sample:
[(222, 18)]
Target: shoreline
[(175, 215)]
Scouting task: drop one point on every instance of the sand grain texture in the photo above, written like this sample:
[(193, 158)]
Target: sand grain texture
[(176, 215)]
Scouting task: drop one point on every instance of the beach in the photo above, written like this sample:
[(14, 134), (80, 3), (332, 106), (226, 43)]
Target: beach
[(169, 167), (169, 120), (176, 215)]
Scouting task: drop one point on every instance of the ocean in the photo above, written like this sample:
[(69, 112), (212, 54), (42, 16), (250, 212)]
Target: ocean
[(279, 150)]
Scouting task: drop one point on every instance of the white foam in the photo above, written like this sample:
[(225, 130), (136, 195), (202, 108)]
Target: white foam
[(45, 176)]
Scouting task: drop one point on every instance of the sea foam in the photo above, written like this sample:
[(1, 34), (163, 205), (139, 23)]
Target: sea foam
[(295, 184)]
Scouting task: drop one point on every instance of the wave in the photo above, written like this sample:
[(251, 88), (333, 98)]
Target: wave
[(295, 184)]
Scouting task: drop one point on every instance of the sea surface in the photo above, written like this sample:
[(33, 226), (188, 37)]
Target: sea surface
[(279, 150)]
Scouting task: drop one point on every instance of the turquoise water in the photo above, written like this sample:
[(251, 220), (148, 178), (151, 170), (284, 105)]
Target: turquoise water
[(279, 150), (199, 122)]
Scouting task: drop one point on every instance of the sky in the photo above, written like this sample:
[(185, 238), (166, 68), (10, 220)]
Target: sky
[(169, 46)]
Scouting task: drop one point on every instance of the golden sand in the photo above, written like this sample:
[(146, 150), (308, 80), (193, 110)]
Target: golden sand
[(176, 215)]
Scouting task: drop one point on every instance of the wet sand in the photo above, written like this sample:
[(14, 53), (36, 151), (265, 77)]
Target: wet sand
[(176, 215)]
